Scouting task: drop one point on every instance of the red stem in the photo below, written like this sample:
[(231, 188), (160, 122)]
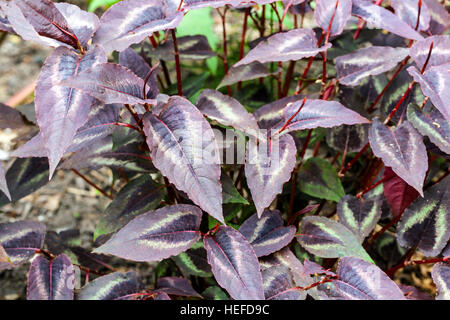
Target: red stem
[(293, 116), (91, 183), (373, 186), (351, 163), (177, 62), (242, 46)]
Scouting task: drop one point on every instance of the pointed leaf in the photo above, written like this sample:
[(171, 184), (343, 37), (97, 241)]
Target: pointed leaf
[(284, 46), (267, 167), (51, 280), (3, 183), (189, 48), (434, 84), (408, 10), (184, 149), (383, 19), (60, 110), (329, 239), (278, 284), (137, 197), (234, 264), (19, 241), (348, 137), (245, 72), (431, 124), (194, 261), (360, 280), (11, 118), (439, 16), (325, 10), (156, 235), (114, 286), (176, 286), (267, 234), (272, 113), (131, 21), (319, 179), (426, 223), (110, 83), (358, 215), (229, 192), (441, 277), (214, 293), (353, 67)]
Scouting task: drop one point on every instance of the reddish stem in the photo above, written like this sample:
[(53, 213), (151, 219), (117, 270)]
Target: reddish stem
[(177, 62), (91, 183), (242, 46), (293, 116), (373, 186), (351, 163)]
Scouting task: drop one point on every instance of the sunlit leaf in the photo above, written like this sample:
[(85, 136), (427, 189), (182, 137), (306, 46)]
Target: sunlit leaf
[(326, 9), (408, 10), (245, 72), (439, 16)]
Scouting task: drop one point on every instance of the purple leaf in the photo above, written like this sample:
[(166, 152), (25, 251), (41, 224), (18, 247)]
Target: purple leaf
[(278, 284), (399, 195), (439, 55), (434, 84), (324, 11), (184, 149), (313, 268), (348, 137), (20, 240), (60, 110), (267, 234), (51, 280), (114, 286), (82, 23), (194, 261), (407, 10), (11, 118), (359, 215), (402, 149), (176, 286), (227, 111), (5, 25), (131, 21), (383, 19), (353, 67), (197, 4), (160, 296), (441, 277), (361, 280), (267, 167), (111, 83), (272, 113), (316, 113), (245, 72), (3, 183), (439, 16), (426, 223), (156, 235), (284, 46), (412, 293), (189, 48), (234, 264)]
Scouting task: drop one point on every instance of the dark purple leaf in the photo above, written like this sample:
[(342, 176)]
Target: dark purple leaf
[(313, 268), (326, 9), (348, 137), (439, 55), (114, 286), (353, 67), (412, 293), (184, 149), (156, 235), (359, 215), (284, 46), (408, 10), (234, 264), (51, 280), (176, 286), (383, 19), (214, 293), (245, 72), (426, 223), (111, 83), (361, 280), (402, 149), (399, 195), (267, 234), (439, 16), (278, 284), (20, 240), (194, 261), (441, 277), (3, 183), (268, 165), (271, 114), (11, 118), (227, 111), (61, 111), (131, 21), (160, 296), (434, 84), (189, 48)]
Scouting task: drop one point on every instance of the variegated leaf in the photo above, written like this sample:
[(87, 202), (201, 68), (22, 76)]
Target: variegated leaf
[(408, 10), (19, 241), (61, 110), (360, 280), (184, 149), (434, 84), (339, 10), (329, 239), (5, 25), (402, 149), (439, 16), (234, 264), (3, 183), (359, 215), (284, 46), (114, 286), (176, 286), (267, 233), (383, 19), (426, 223), (268, 165), (194, 261), (353, 67), (227, 111), (272, 113), (439, 55), (131, 21), (348, 137), (278, 284), (245, 72), (51, 280), (441, 277), (197, 4), (214, 293), (156, 235)]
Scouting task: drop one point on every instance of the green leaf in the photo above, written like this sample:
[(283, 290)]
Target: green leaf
[(215, 293), (229, 192), (318, 178), (194, 261), (94, 4)]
